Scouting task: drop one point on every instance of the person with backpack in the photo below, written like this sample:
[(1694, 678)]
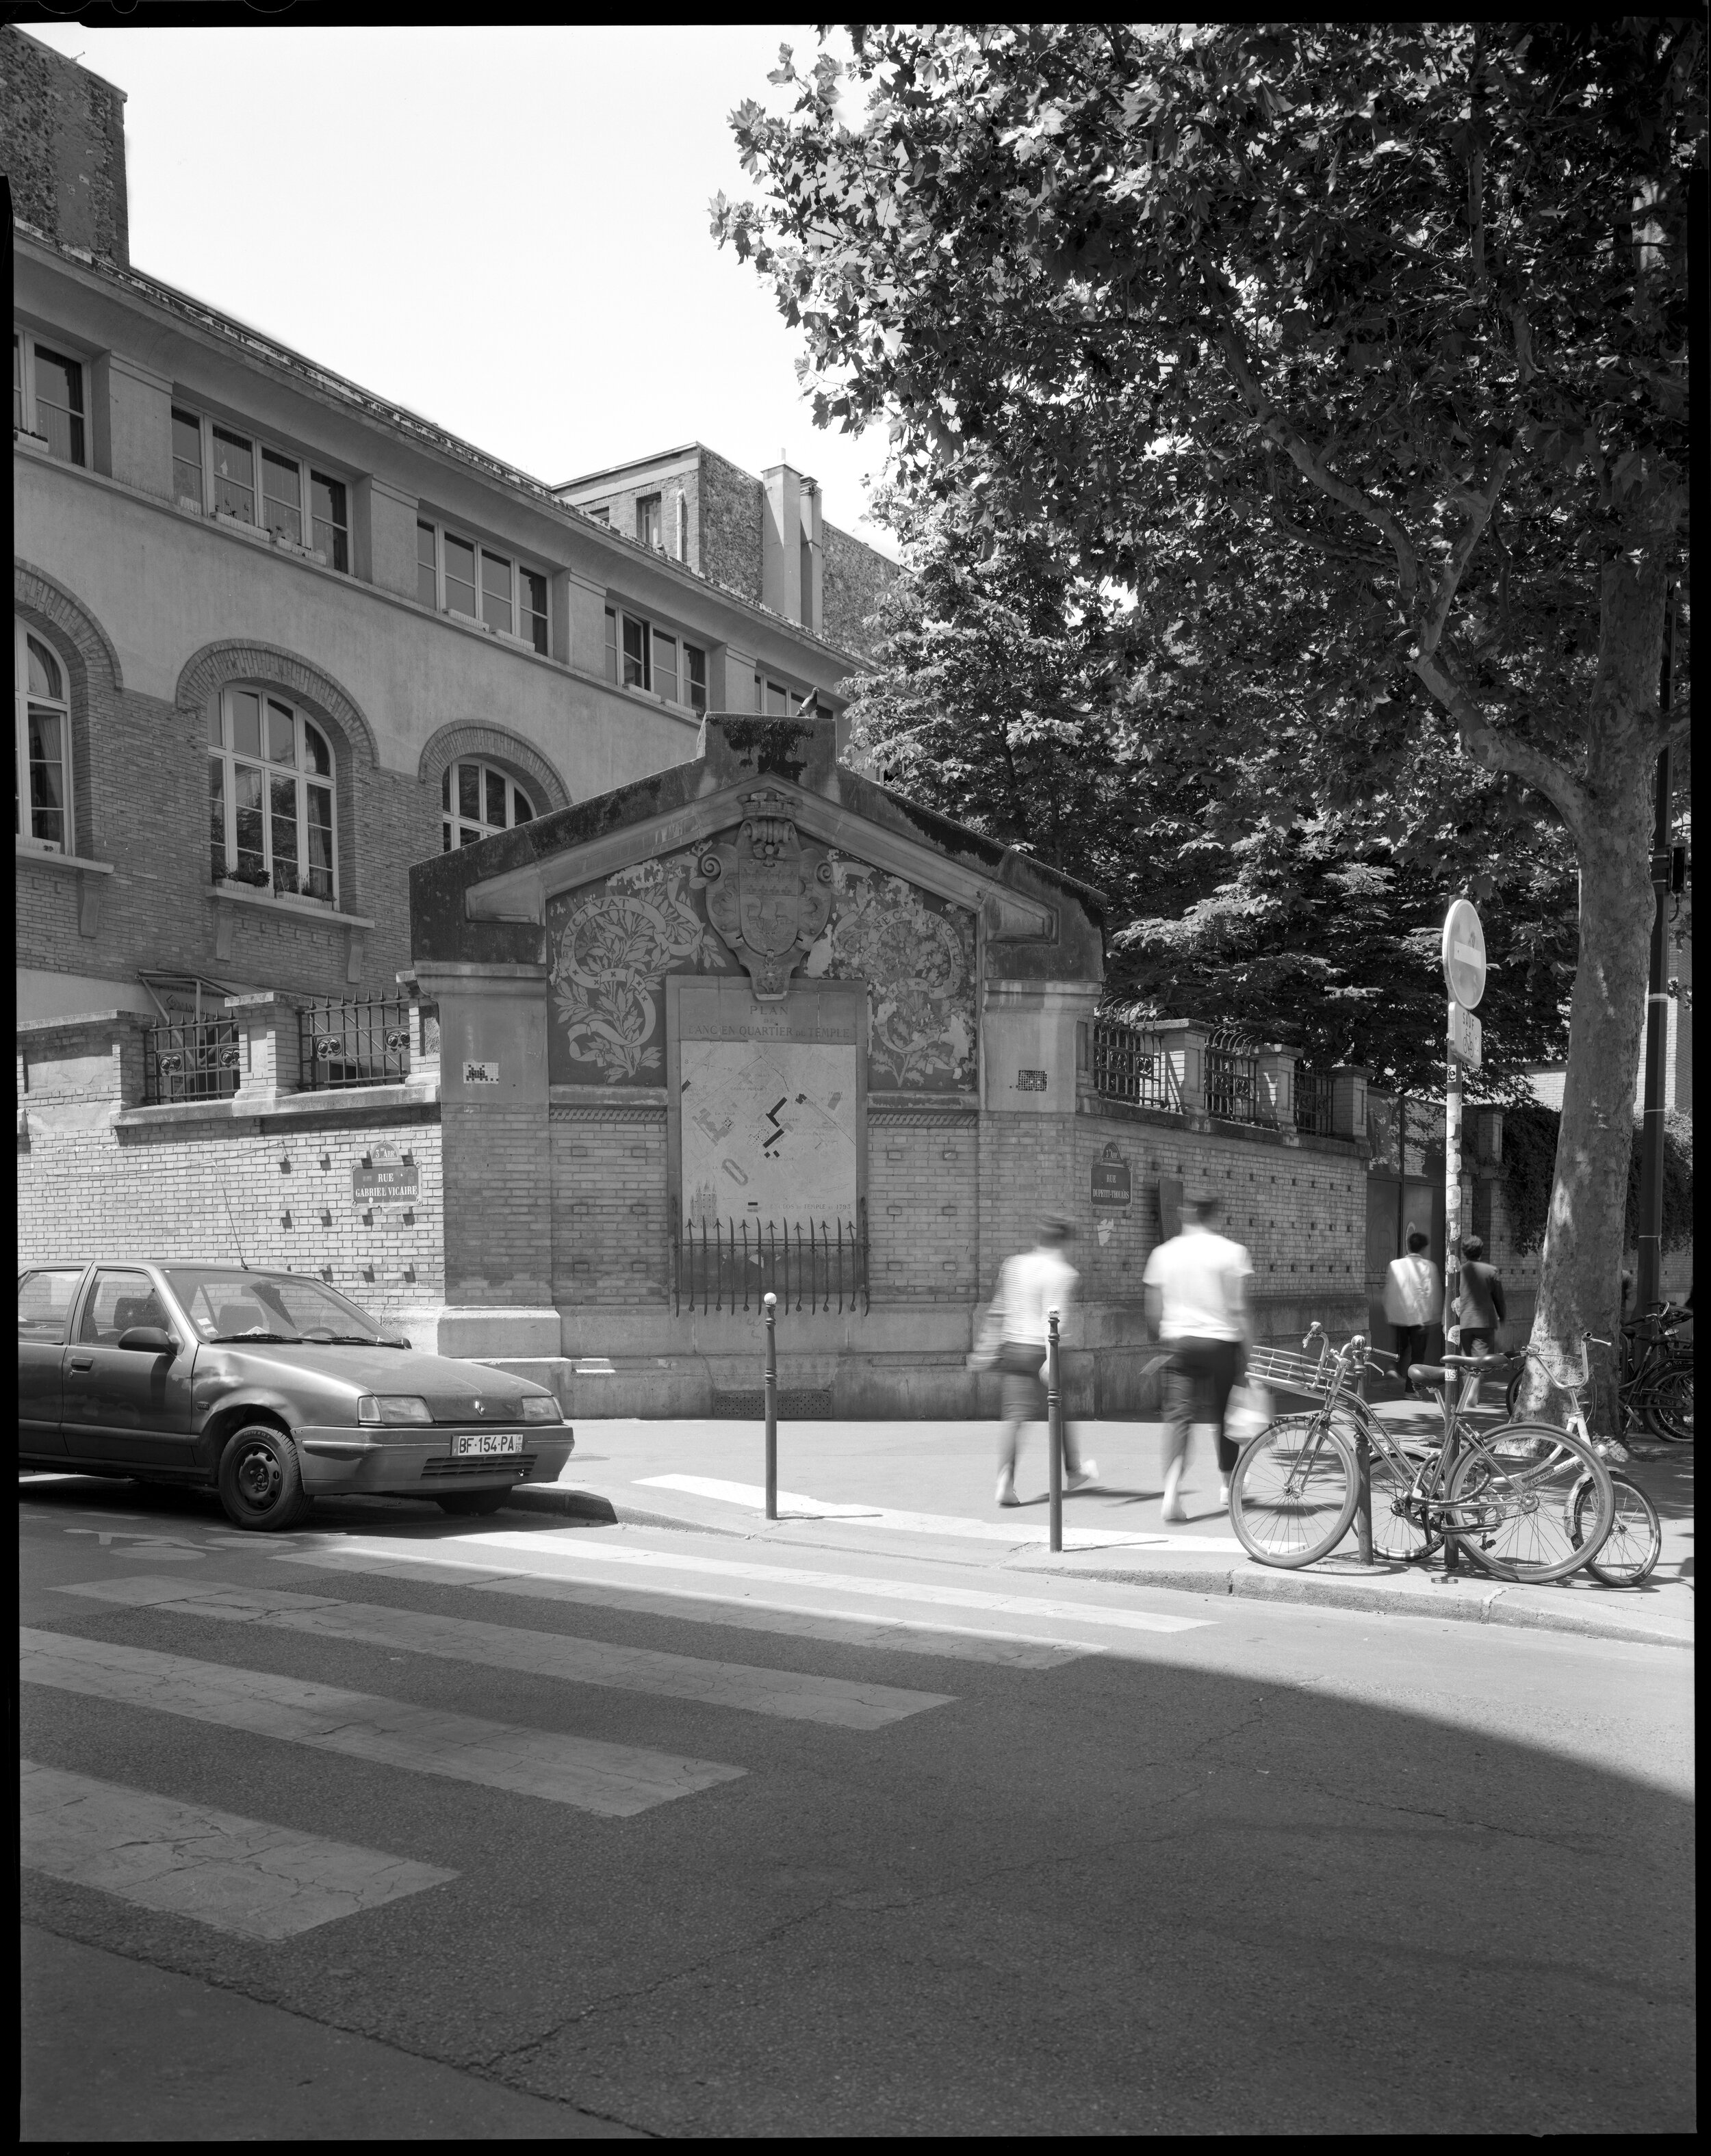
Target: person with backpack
[(1414, 1301), (1029, 1285), (1196, 1293), (1480, 1307)]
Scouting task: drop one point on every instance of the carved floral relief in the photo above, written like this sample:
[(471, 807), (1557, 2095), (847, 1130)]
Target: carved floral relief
[(612, 944)]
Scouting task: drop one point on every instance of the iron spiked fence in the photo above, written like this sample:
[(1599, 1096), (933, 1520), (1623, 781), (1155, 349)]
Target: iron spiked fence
[(731, 1265)]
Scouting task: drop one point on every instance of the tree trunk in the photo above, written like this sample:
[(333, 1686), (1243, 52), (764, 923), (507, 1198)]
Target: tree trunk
[(1581, 1268)]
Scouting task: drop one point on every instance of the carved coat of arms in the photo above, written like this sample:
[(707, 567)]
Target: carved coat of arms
[(765, 897)]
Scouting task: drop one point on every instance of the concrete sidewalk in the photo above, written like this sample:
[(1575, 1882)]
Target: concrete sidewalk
[(926, 1490)]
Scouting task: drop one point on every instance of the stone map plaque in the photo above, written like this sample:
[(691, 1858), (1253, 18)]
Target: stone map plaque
[(768, 1101)]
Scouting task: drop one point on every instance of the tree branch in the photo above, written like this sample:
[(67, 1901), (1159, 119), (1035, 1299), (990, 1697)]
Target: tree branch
[(1311, 465), (1498, 751), (1479, 508)]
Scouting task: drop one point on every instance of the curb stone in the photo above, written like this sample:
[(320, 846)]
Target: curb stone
[(1483, 1602), (1471, 1601)]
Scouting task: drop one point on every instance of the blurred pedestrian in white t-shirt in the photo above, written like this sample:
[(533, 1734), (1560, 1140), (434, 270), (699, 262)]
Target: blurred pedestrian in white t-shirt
[(1029, 1285), (1196, 1294)]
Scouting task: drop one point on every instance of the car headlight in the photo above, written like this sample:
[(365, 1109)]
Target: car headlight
[(393, 1407), (542, 1410)]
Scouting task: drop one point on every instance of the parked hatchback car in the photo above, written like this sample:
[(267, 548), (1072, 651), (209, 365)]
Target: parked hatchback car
[(266, 1386)]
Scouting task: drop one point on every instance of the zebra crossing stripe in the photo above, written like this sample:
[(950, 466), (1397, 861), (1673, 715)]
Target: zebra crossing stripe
[(240, 1876), (795, 1695), (746, 1578), (614, 1780), (791, 1615)]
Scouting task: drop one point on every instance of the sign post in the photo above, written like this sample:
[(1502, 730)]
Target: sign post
[(769, 1302), (1464, 977)]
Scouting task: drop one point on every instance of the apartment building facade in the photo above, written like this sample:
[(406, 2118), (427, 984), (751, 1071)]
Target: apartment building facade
[(276, 638)]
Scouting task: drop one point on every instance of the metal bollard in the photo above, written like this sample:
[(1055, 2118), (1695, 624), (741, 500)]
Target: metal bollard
[(1363, 1461), (770, 1303), (1054, 1428)]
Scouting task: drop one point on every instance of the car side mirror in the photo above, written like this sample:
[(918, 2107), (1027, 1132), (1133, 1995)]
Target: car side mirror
[(149, 1340)]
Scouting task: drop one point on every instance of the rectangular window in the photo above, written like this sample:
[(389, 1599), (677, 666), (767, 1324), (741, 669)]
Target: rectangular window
[(17, 381), (58, 384), (695, 676), (426, 567), (496, 592), (777, 701), (186, 457), (235, 476), (282, 497), (332, 525), (649, 528), (611, 646), (217, 812), (459, 576), (636, 670), (666, 667), (534, 597)]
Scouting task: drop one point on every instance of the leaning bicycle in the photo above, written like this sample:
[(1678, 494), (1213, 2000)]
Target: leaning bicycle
[(1630, 1550), (1513, 1500)]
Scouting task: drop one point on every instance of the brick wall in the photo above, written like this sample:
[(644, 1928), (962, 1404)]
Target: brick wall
[(160, 1188), (855, 580), (922, 1206), (498, 1244), (611, 1220)]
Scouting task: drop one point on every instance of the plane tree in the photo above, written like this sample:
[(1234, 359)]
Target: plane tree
[(1410, 301)]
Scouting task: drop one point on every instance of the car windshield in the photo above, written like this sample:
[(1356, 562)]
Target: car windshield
[(237, 1306)]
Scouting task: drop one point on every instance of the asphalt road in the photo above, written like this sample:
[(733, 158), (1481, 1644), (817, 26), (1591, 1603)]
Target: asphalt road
[(389, 1828)]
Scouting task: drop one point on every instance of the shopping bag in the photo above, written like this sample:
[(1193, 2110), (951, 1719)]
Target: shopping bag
[(984, 1354), (1249, 1413)]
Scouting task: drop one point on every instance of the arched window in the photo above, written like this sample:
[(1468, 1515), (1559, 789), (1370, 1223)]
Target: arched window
[(476, 800), (42, 757), (271, 785)]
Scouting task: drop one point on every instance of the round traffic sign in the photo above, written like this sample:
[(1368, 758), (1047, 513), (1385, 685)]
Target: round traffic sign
[(1464, 954)]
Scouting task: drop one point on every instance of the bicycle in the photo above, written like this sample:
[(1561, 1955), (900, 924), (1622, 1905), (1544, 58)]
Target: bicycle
[(1658, 1387), (1630, 1551), (1508, 1499)]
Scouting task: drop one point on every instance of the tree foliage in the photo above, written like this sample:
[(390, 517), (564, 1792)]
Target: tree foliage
[(1390, 319)]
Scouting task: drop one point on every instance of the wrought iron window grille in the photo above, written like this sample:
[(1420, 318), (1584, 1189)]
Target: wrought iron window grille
[(190, 1059), (1312, 1102), (1232, 1076), (1130, 1063), (343, 1044)]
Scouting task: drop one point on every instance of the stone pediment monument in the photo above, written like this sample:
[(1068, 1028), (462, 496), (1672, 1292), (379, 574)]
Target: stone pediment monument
[(676, 1022)]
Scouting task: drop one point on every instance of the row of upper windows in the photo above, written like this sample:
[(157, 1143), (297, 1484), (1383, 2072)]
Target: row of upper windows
[(220, 471), (271, 783)]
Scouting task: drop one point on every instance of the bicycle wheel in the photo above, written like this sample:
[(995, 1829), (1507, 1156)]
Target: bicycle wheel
[(1513, 1497), (1293, 1493), (1396, 1538), (1636, 1539), (1668, 1406)]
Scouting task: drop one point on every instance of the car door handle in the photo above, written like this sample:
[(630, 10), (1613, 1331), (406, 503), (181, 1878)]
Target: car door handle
[(82, 1361)]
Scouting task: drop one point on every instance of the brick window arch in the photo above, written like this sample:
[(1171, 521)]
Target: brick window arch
[(474, 770)]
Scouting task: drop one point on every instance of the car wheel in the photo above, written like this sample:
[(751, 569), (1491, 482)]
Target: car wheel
[(466, 1501), (261, 1484)]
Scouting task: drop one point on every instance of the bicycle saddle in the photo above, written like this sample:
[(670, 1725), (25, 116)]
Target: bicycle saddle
[(1427, 1374)]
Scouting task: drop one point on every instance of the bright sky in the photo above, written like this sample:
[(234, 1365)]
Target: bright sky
[(504, 229)]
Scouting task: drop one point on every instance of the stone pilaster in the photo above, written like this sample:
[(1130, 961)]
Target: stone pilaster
[(1183, 1043), (493, 1117), (1349, 1101), (269, 1062), (1274, 1107), (1028, 1044)]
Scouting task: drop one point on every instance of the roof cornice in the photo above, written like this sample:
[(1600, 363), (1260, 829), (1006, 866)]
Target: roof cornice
[(310, 376)]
